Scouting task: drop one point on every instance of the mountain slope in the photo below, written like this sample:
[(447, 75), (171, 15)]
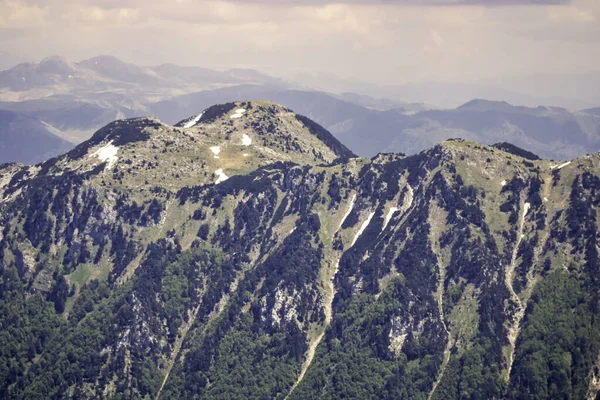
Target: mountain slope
[(28, 140), (462, 272)]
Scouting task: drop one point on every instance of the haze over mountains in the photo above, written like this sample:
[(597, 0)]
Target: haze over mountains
[(72, 100)]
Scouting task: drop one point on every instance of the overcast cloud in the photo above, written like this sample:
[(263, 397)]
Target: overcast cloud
[(385, 41)]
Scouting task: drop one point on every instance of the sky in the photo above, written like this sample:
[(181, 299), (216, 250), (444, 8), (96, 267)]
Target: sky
[(385, 41)]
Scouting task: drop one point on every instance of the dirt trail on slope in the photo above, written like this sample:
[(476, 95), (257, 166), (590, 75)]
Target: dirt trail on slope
[(183, 331), (185, 327), (513, 331), (437, 215), (328, 305)]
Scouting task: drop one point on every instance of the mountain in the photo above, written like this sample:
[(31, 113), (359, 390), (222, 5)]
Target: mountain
[(246, 253), (28, 140), (117, 70), (56, 75), (574, 92)]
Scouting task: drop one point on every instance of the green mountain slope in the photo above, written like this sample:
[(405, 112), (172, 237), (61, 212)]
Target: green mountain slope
[(147, 263)]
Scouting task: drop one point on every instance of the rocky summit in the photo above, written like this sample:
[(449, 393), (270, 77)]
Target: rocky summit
[(246, 253)]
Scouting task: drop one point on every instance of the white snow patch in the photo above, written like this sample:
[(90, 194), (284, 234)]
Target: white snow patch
[(108, 153), (408, 199), (216, 150), (293, 230), (70, 76), (545, 199), (23, 79), (246, 141), (389, 216), (526, 208), (246, 154), (194, 121), (238, 113), (221, 177), (347, 212), (560, 166), (503, 183), (362, 228)]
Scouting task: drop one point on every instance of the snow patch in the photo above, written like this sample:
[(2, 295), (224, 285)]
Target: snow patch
[(526, 208), (246, 154), (108, 154), (388, 217), (238, 113), (555, 167), (194, 121), (23, 79), (408, 200), (545, 199), (293, 230), (362, 228), (246, 141), (503, 183), (221, 177), (347, 212), (216, 150)]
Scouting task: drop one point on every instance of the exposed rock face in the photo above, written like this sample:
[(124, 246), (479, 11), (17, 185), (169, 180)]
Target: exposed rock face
[(462, 272)]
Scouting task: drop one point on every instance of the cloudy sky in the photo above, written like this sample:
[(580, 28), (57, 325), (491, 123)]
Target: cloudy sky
[(385, 41)]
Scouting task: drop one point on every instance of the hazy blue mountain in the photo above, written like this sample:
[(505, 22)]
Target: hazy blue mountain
[(27, 140), (574, 93)]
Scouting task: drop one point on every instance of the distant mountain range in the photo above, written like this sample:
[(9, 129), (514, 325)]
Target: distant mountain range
[(570, 91), (75, 99)]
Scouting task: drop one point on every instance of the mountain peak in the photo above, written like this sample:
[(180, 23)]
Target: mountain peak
[(485, 105), (58, 65), (55, 60), (223, 141), (106, 60), (276, 127)]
